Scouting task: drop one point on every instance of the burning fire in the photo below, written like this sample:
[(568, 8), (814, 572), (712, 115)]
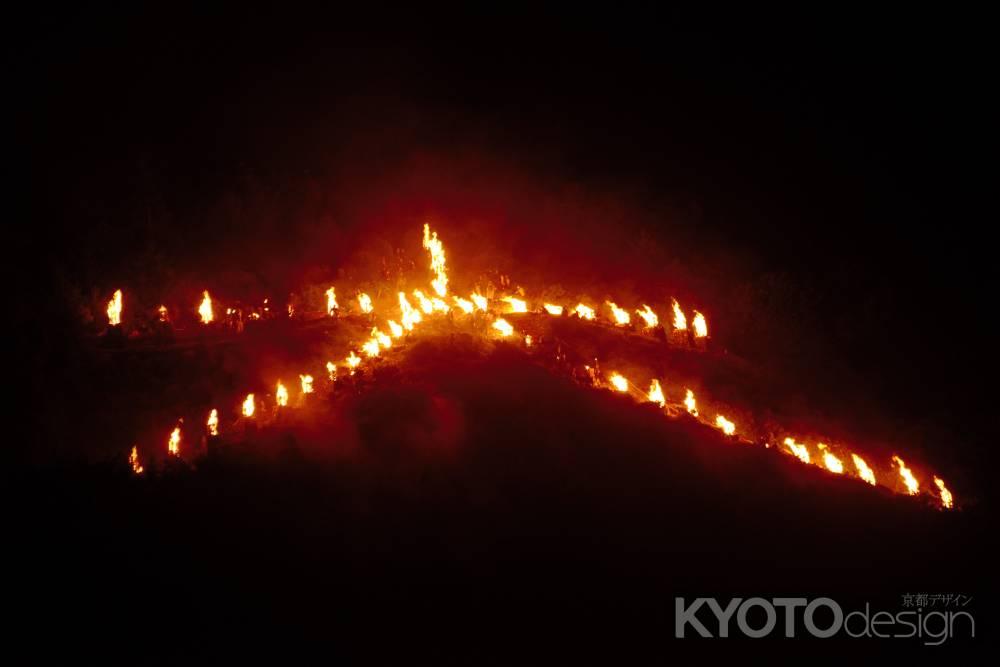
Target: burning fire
[(331, 370), (353, 361), (799, 450), (727, 426), (680, 322), (426, 304), (248, 406), (586, 312), (162, 310), (115, 309), (396, 329), (410, 316), (700, 325), (281, 395), (436, 249), (213, 422), (831, 462), (133, 460), (503, 327), (331, 302), (553, 310), (307, 383), (205, 309), (621, 316), (656, 393), (370, 347), (479, 300), (912, 486), (864, 472), (649, 316), (946, 498), (466, 305), (618, 382), (689, 403), (174, 443), (365, 302), (516, 305)]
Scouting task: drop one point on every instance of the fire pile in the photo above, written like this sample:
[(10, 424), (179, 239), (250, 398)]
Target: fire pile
[(504, 317)]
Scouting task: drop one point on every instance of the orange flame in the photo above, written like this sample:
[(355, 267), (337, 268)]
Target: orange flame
[(799, 450), (864, 472), (410, 316), (503, 326), (307, 383), (649, 316), (516, 305), (912, 486), (396, 329), (621, 316), (365, 302), (162, 310), (133, 460), (946, 498), (466, 305), (436, 249), (700, 325), (426, 304), (370, 347), (248, 406), (618, 382), (174, 443), (690, 404), (586, 312), (656, 393), (281, 395), (480, 301), (213, 422), (115, 309), (831, 462), (727, 426), (331, 370), (352, 361), (331, 302), (553, 310), (205, 309), (680, 322)]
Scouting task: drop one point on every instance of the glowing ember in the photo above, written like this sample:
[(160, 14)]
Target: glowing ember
[(281, 395), (864, 472), (174, 443), (831, 462), (479, 300), (946, 498), (466, 305), (680, 322), (649, 316), (618, 382), (365, 302), (115, 309), (799, 450), (331, 302), (205, 309), (162, 310), (553, 310), (700, 325), (213, 422), (516, 305), (621, 316), (912, 486), (396, 329), (307, 383), (291, 310), (352, 361), (248, 406), (690, 404), (586, 312), (528, 340), (434, 247), (133, 460), (331, 370), (410, 316), (727, 426), (656, 393), (503, 327)]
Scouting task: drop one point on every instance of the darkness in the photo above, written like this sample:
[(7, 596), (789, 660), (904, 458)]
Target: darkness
[(811, 180)]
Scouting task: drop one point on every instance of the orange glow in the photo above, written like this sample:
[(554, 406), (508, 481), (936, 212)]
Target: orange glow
[(912, 486), (831, 462), (727, 426), (620, 316), (162, 310), (553, 310), (370, 347), (352, 361), (656, 393), (426, 304), (439, 305), (281, 395), (248, 406), (864, 472), (479, 300), (174, 443), (396, 329), (798, 450), (331, 302), (115, 309), (946, 498), (466, 305), (690, 404), (436, 249), (213, 422), (307, 383), (516, 305), (503, 327), (205, 309), (618, 382), (528, 340), (383, 339), (409, 315), (649, 316), (680, 322), (586, 312), (331, 370), (133, 460), (365, 303), (700, 325)]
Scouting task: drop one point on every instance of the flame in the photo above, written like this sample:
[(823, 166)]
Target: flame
[(115, 309), (162, 310), (133, 460), (396, 329), (436, 249), (213, 422), (365, 302), (439, 305), (680, 322), (331, 302), (799, 450), (174, 443), (307, 383), (516, 305), (466, 305), (864, 472), (281, 395), (621, 316), (689, 403), (831, 462), (370, 347), (528, 340), (656, 393), (503, 327), (383, 339), (205, 309), (291, 310), (352, 361), (479, 300), (248, 406), (727, 426), (410, 316), (912, 486), (618, 382), (586, 312), (649, 316), (946, 498), (553, 310), (426, 304), (700, 325), (331, 370)]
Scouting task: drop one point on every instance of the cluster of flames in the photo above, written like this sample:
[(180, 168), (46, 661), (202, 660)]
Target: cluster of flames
[(440, 301)]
